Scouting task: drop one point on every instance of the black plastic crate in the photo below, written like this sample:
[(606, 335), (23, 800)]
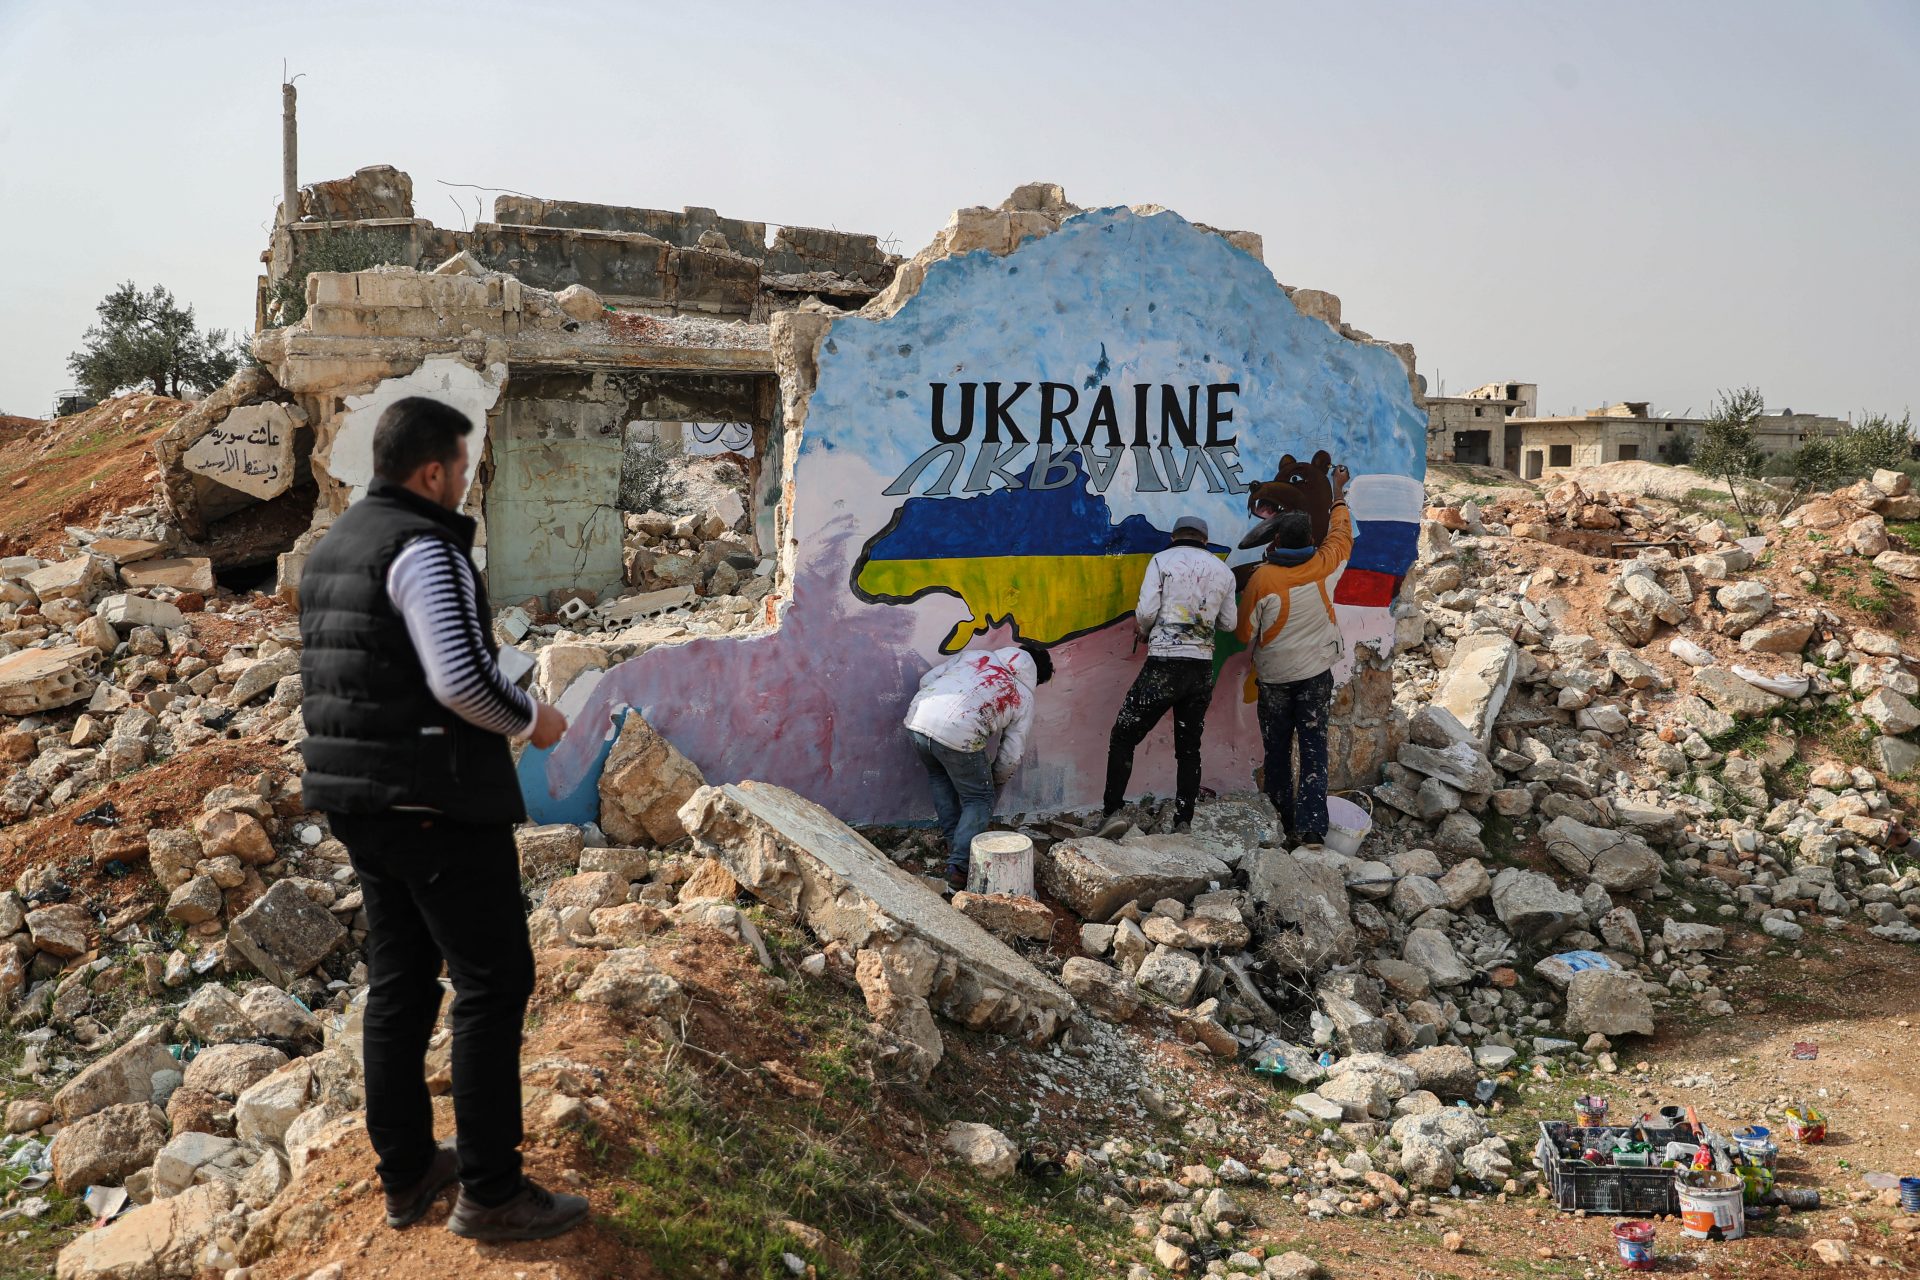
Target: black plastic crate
[(1575, 1184)]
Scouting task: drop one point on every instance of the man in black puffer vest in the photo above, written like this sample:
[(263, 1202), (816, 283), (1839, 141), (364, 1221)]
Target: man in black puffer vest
[(408, 722)]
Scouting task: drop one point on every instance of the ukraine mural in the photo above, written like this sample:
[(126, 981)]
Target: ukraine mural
[(997, 460)]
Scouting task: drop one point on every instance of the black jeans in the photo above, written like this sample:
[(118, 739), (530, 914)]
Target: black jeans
[(1186, 686), (439, 890), (1297, 712)]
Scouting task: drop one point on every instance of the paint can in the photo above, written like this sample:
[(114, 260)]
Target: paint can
[(1590, 1110), (1711, 1205), (1910, 1195), (1672, 1117), (1347, 826), (1754, 1140), (1635, 1242), (1804, 1124)]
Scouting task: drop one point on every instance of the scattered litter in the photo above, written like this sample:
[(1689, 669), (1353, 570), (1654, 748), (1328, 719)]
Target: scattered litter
[(1804, 1124), (105, 1203), (1804, 1051), (104, 814)]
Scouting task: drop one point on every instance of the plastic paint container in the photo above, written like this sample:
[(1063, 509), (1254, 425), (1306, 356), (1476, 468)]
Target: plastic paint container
[(1347, 826), (1590, 1111), (1910, 1194), (1635, 1242), (1710, 1206), (1804, 1124), (1754, 1139)]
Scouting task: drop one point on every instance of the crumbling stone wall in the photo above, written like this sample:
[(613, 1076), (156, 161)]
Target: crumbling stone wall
[(967, 461)]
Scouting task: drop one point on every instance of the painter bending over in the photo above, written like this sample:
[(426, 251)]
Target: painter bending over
[(1286, 616), (961, 705), (1185, 595)]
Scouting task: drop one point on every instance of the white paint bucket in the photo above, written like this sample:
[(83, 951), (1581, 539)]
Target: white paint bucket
[(1712, 1206), (1347, 826)]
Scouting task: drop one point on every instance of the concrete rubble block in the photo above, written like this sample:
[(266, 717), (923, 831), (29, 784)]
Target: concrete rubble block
[(1362, 1094), (249, 451), (1680, 935), (1532, 907), (195, 902), (1464, 883), (1620, 929), (548, 851), (1434, 953), (1895, 757), (275, 1013), (1007, 916), (1093, 878), (213, 1015), (1890, 713), (1462, 766), (577, 302), (644, 785), (1730, 694), (1101, 988), (981, 1148), (1446, 1070), (285, 934), (807, 864), (1616, 860), (1306, 890), (229, 1070), (1476, 682), (263, 1111), (630, 982), (35, 680), (1357, 1029), (589, 890), (1170, 973), (232, 833), (1898, 563), (1607, 1002), (119, 551), (261, 676), (64, 930), (107, 1146), (80, 578), (156, 1241), (184, 573), (375, 191), (645, 605), (123, 1076), (1783, 635), (126, 611), (178, 1164)]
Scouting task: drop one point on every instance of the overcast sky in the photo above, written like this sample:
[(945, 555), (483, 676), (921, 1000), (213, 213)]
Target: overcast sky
[(1613, 200)]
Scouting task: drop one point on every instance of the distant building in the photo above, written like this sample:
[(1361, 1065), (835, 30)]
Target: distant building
[(1472, 429), (1496, 425)]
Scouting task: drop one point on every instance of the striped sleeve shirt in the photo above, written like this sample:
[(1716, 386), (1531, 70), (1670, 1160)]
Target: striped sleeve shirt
[(431, 586)]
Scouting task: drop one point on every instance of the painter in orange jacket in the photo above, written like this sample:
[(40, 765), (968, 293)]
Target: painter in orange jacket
[(1286, 617)]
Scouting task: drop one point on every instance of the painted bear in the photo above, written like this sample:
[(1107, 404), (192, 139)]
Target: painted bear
[(1296, 486)]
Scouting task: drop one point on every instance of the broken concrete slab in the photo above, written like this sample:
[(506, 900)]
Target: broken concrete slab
[(34, 680), (1533, 907), (285, 934), (646, 605), (162, 1239), (1476, 682), (250, 451), (1093, 878), (1732, 695), (810, 866), (123, 1076), (127, 611), (644, 785), (184, 573), (125, 550), (80, 578), (1618, 861)]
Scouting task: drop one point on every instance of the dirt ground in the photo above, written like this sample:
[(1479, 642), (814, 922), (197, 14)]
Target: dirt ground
[(74, 470)]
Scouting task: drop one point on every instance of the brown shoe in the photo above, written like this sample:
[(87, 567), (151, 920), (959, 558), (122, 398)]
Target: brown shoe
[(533, 1214), (404, 1208), (956, 879)]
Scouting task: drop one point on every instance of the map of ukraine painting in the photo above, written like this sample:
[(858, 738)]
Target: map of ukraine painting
[(999, 459)]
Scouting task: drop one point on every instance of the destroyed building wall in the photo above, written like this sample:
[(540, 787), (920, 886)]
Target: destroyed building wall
[(994, 448)]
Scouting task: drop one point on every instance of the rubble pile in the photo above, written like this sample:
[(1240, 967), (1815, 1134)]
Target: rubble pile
[(1600, 769)]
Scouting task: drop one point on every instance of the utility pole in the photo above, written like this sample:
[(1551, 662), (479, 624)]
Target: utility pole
[(289, 158)]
